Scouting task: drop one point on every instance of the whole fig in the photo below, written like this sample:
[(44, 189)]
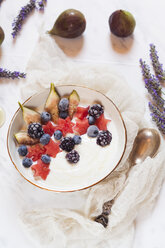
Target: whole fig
[(122, 23), (70, 24), (2, 35)]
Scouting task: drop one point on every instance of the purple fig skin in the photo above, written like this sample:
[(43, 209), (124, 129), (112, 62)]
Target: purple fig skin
[(2, 35), (122, 23), (70, 24)]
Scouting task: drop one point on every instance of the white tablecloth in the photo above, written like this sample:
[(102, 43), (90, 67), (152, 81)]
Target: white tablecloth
[(96, 45)]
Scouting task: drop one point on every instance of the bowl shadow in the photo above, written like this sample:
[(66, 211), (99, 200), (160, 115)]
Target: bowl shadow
[(121, 45)]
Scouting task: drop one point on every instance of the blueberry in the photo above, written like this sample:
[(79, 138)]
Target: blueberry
[(77, 139), (92, 131), (44, 140), (27, 162), (91, 120), (45, 117), (22, 150), (63, 114), (46, 159), (58, 135), (63, 104)]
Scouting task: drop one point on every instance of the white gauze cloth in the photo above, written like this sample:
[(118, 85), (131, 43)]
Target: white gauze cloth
[(71, 225)]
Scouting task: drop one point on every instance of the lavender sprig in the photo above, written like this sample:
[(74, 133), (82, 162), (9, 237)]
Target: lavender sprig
[(8, 74), (158, 117), (23, 14), (150, 79), (158, 67), (152, 84), (155, 94)]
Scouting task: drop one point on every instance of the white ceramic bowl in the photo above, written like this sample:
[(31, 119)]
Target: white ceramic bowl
[(85, 178)]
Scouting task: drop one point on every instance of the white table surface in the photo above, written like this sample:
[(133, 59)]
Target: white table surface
[(97, 44)]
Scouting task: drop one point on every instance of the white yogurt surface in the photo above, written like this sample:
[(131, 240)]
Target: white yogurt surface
[(94, 161)]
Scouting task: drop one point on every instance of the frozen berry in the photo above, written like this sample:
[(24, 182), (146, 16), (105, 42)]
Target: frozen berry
[(92, 131), (63, 114), (58, 135), (27, 162), (45, 117), (77, 139), (46, 159), (35, 130), (44, 140), (91, 120), (73, 157), (63, 104), (22, 150), (96, 110), (104, 138), (67, 144)]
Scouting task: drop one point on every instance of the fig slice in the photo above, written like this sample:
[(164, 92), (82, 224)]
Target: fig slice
[(74, 100), (29, 115), (24, 139), (51, 104)]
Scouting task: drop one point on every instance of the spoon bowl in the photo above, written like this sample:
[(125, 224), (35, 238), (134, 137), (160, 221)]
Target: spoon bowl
[(146, 144)]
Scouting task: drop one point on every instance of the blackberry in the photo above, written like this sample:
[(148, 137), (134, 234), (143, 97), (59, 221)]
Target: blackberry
[(73, 157), (35, 130), (67, 144), (104, 138), (96, 110)]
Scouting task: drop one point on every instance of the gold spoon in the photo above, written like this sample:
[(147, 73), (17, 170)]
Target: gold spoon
[(146, 144)]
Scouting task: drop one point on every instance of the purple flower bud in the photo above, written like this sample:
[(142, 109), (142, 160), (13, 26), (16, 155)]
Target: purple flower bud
[(8, 74), (158, 67), (158, 117)]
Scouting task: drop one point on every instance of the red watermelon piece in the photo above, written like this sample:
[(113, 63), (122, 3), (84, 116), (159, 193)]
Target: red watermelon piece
[(49, 128), (102, 122), (65, 126), (40, 169), (52, 148), (35, 152), (81, 126), (81, 112)]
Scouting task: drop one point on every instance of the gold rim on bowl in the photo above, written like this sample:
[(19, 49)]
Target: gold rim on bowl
[(58, 191)]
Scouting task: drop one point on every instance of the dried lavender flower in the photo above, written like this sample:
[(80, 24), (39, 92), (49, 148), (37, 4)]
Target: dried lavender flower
[(152, 84), (150, 79), (23, 14), (8, 74), (41, 4), (158, 67), (102, 219), (155, 94), (158, 117)]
